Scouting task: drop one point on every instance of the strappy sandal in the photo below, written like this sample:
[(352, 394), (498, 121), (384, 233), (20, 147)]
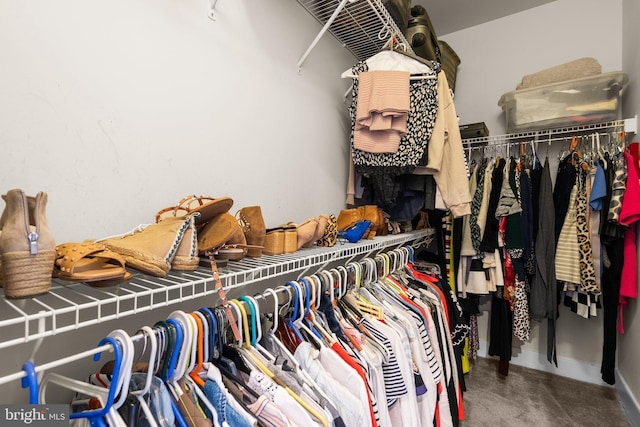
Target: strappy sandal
[(89, 262), (205, 207)]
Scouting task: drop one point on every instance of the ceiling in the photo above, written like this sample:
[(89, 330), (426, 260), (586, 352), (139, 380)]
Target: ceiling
[(448, 16)]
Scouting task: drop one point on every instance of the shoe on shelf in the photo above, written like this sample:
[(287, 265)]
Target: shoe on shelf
[(274, 241), (356, 232), (206, 208), (27, 248), (252, 224), (306, 233), (152, 248), (330, 235)]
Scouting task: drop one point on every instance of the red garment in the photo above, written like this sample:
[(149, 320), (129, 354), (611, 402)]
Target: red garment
[(628, 282), (630, 209), (629, 214)]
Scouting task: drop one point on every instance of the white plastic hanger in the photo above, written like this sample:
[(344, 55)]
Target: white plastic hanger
[(139, 394)]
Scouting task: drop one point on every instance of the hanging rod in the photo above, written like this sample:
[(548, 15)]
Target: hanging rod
[(545, 135)]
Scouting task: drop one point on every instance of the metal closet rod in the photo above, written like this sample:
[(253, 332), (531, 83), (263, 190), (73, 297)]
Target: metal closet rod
[(547, 135)]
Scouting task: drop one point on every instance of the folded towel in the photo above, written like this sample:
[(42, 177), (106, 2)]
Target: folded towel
[(382, 110), (582, 67)]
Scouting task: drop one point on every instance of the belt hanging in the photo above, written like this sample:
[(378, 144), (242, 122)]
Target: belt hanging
[(223, 296)]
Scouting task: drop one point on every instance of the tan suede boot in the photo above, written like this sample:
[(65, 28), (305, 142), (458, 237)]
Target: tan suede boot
[(252, 223), (220, 230), (27, 247)]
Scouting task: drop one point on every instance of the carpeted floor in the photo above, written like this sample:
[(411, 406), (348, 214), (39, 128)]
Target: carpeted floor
[(528, 397)]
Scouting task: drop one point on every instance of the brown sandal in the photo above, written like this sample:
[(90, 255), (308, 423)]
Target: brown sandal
[(89, 262), (205, 207)]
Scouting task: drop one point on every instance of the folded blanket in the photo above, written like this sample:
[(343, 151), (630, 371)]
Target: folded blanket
[(582, 67), (382, 111)]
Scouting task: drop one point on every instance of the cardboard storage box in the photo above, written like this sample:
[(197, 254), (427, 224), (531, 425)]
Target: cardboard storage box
[(573, 102)]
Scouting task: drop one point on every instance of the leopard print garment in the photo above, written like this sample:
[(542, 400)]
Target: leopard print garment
[(476, 202), (618, 188), (587, 269), (521, 320), (420, 123)]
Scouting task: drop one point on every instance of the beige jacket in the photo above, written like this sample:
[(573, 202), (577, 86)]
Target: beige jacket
[(446, 155)]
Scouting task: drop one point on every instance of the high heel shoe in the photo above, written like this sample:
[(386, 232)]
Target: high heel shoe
[(355, 232), (306, 233), (27, 247)]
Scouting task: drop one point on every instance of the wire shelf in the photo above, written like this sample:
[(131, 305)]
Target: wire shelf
[(69, 306), (548, 135), (362, 26)]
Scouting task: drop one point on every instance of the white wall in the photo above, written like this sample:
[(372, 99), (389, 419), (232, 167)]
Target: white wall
[(629, 343), (117, 109), (494, 57), (497, 54), (121, 108)]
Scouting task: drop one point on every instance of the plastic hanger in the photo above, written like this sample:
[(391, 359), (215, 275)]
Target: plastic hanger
[(214, 350), (253, 328), (194, 372), (187, 361), (203, 338), (126, 368), (294, 314), (312, 317), (188, 347), (175, 354), (30, 381), (139, 394), (105, 396)]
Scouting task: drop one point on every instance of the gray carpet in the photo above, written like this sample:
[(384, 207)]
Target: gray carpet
[(528, 397)]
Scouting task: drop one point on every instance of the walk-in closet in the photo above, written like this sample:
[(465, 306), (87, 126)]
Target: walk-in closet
[(210, 219)]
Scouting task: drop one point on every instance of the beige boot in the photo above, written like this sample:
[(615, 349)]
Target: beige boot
[(27, 247)]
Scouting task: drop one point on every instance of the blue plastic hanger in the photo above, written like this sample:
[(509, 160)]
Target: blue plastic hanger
[(176, 349), (31, 381), (294, 315), (96, 418)]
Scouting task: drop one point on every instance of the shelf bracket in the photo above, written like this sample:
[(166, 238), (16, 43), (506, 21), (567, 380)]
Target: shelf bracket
[(322, 31), (631, 125)]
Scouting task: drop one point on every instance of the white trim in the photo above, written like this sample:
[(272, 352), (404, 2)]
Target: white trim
[(567, 367), (628, 400)]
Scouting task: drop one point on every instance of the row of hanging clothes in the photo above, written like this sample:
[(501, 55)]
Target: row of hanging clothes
[(377, 342), (406, 151), (530, 245)]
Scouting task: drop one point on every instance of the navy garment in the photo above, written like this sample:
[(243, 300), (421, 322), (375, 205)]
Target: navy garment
[(490, 238)]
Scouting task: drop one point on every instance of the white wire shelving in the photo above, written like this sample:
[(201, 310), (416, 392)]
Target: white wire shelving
[(362, 26), (553, 134), (70, 306)]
